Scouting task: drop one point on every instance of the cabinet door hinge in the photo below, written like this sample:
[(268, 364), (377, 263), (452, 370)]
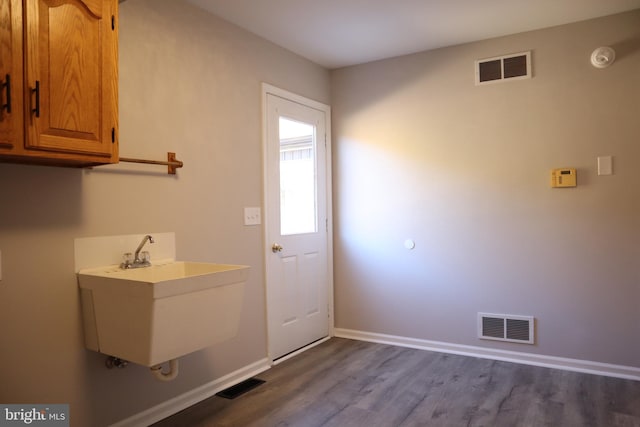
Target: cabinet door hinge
[(113, 135)]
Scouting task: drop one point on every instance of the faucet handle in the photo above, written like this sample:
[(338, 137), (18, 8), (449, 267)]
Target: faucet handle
[(127, 260), (145, 256)]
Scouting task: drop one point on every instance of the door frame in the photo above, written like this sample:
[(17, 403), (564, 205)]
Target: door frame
[(268, 89)]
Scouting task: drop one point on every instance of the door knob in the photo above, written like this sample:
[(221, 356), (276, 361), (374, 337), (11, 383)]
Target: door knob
[(275, 248)]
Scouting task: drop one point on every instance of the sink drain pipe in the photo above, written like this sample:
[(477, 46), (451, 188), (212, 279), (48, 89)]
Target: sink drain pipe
[(157, 372)]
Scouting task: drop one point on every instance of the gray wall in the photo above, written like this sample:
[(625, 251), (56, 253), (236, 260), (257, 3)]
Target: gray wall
[(422, 153), (189, 83)]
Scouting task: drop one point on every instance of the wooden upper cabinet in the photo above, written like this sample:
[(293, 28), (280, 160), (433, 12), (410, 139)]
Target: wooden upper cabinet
[(11, 75), (70, 80)]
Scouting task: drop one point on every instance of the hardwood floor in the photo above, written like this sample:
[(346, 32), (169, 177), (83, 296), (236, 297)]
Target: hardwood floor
[(345, 383)]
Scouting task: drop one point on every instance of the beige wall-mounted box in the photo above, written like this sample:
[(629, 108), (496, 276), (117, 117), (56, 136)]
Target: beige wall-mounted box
[(565, 177)]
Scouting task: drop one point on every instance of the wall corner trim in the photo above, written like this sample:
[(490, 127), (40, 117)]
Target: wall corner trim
[(185, 400), (574, 365)]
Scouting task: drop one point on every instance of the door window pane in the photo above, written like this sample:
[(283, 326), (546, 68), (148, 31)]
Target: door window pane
[(297, 177)]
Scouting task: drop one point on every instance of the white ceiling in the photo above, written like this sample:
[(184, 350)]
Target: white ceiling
[(338, 33)]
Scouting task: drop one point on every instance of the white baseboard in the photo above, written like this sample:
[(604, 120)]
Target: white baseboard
[(575, 365), (177, 404)]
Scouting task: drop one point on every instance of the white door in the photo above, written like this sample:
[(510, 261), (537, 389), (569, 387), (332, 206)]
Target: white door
[(297, 224)]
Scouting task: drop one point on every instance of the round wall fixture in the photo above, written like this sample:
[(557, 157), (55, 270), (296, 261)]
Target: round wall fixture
[(409, 244), (602, 57)]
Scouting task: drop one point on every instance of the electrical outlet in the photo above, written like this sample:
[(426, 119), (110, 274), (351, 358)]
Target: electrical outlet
[(252, 216)]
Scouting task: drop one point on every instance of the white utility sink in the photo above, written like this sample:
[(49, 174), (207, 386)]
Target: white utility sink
[(154, 314)]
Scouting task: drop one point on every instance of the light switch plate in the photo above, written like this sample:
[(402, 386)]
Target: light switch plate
[(252, 216), (605, 165)]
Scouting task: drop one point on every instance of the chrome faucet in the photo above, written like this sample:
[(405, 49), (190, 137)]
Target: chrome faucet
[(136, 261)]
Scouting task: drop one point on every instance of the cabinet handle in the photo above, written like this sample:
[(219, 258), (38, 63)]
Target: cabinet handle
[(6, 85), (37, 92)]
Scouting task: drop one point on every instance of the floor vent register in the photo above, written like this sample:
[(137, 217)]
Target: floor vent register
[(240, 388)]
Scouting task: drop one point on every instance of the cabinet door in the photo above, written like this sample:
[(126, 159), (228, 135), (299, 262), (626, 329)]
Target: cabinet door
[(71, 81), (11, 114)]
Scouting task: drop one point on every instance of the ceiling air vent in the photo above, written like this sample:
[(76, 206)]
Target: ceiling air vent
[(505, 327), (507, 67)]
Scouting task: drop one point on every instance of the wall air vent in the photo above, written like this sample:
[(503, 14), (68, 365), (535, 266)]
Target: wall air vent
[(501, 68), (506, 327)]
